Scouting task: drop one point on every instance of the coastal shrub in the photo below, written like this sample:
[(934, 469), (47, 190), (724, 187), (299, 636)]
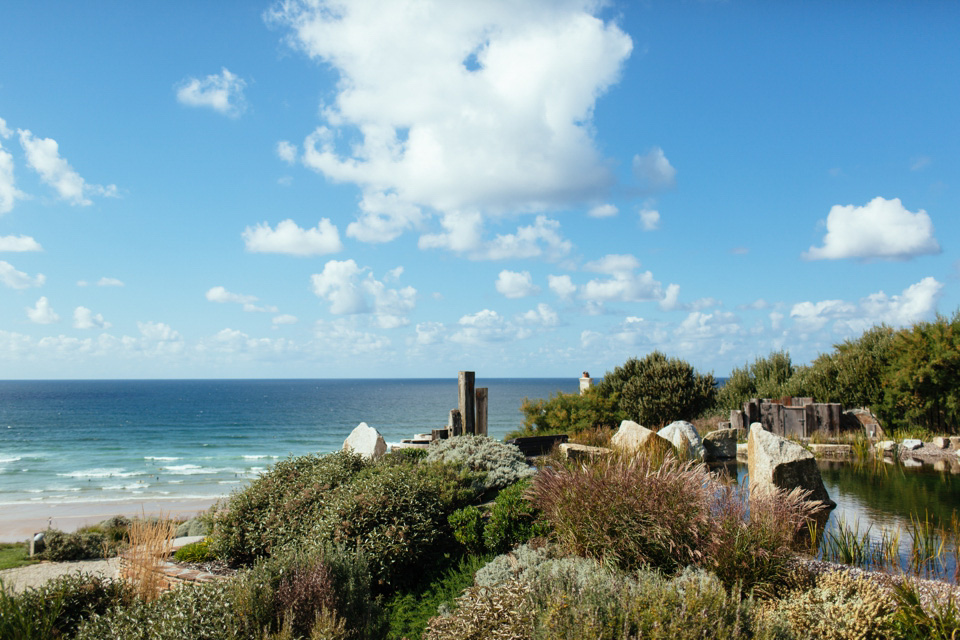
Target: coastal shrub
[(67, 547), (199, 526), (629, 512), (657, 390), (393, 514), (502, 464), (840, 607), (514, 565), (513, 519), (922, 383), (569, 413), (279, 506), (503, 612), (771, 376), (70, 599), (20, 619), (411, 611), (577, 599), (854, 373), (467, 526), (198, 551), (190, 612)]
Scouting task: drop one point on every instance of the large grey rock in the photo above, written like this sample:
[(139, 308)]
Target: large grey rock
[(366, 441), (776, 463), (887, 447), (684, 437), (911, 444), (632, 437), (720, 445)]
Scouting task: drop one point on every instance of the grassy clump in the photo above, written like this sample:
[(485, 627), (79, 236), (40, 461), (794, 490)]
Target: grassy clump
[(510, 521), (198, 551)]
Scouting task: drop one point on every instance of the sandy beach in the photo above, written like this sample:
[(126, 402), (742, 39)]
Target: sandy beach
[(19, 522)]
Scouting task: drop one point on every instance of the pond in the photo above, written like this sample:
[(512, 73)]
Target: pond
[(884, 506)]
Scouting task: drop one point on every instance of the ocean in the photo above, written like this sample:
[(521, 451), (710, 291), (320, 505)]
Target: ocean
[(105, 441)]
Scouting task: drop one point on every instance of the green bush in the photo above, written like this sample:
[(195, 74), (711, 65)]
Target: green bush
[(467, 526), (410, 612), (71, 599), (922, 384), (513, 520), (501, 464), (569, 413), (280, 506), (190, 612), (199, 526), (198, 551), (66, 547), (768, 377), (393, 514), (657, 390)]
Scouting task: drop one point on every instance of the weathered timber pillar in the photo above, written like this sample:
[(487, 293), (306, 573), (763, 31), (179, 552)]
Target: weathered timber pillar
[(466, 381), (482, 411), (456, 423)]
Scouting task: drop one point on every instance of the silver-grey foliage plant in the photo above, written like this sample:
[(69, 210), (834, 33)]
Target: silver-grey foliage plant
[(502, 463)]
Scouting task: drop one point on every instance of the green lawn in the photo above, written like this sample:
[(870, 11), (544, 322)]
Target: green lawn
[(14, 554)]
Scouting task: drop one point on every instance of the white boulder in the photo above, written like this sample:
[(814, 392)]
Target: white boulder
[(366, 441), (632, 437), (684, 437)]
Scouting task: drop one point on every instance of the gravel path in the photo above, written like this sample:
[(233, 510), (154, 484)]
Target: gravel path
[(34, 575)]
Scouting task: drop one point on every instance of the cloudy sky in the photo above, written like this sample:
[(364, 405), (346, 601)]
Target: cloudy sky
[(410, 188)]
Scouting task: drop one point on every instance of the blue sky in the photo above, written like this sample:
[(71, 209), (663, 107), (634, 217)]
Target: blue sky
[(408, 189)]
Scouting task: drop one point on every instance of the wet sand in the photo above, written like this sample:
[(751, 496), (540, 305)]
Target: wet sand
[(20, 522)]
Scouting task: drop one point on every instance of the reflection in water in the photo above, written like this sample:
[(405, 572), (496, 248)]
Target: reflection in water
[(912, 508)]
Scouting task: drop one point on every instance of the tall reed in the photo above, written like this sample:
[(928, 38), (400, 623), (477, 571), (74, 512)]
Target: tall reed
[(151, 542)]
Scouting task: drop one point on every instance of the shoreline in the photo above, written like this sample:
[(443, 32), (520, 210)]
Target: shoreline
[(20, 522)]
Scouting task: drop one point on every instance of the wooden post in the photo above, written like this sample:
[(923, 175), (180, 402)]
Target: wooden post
[(466, 381), (456, 423), (482, 411)]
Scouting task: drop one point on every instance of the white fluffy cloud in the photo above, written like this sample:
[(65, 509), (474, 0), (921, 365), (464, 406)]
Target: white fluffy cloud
[(222, 92), (915, 303), (84, 318), (654, 170), (290, 239), (514, 284), (220, 294), (623, 285), (464, 234), (9, 193), (483, 108), (286, 151), (603, 211), (486, 326), (562, 286), (19, 243), (383, 217), (341, 337), (351, 289), (109, 282), (649, 219), (880, 229), (543, 316), (18, 279), (43, 156), (285, 318), (42, 312)]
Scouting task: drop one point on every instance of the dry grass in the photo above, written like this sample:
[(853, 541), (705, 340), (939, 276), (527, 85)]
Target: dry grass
[(151, 542)]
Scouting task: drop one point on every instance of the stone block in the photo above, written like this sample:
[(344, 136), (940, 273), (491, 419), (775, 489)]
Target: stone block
[(634, 438), (776, 463), (684, 437)]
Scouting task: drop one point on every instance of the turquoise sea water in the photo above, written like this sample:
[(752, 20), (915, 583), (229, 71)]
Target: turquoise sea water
[(112, 441)]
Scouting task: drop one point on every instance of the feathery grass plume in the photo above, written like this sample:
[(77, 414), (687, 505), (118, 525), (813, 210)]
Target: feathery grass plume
[(151, 542), (755, 539), (628, 511)]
